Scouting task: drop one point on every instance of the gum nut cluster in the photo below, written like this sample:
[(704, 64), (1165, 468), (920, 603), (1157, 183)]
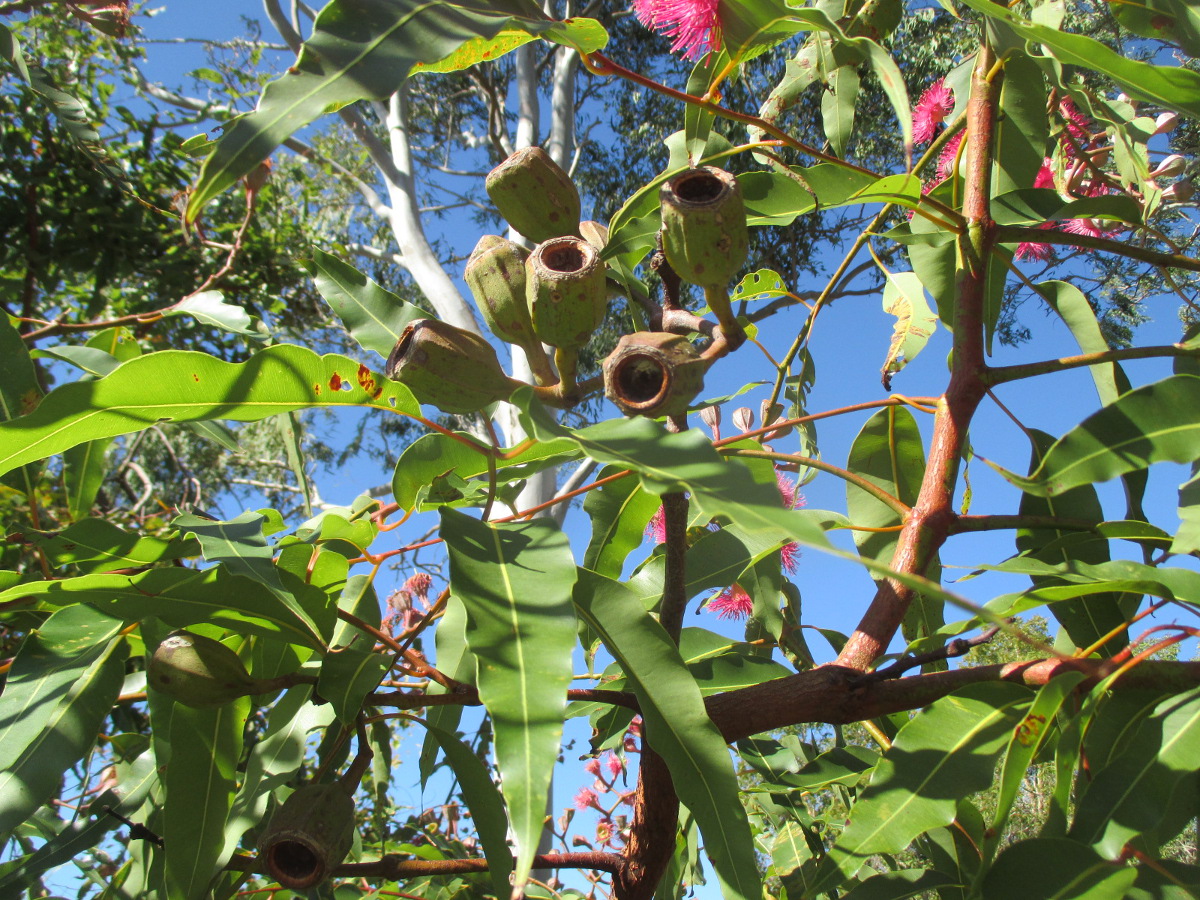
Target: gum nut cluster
[(557, 294), (199, 672)]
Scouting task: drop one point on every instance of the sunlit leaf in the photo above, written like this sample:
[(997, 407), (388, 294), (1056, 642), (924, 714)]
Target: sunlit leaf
[(1056, 869), (515, 581), (904, 298), (184, 385)]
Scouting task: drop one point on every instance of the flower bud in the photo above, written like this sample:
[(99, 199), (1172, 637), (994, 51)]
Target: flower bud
[(309, 836), (534, 195), (567, 291), (1181, 191), (653, 373), (1171, 166), (704, 226), (199, 672), (453, 369), (1165, 122), (495, 274)]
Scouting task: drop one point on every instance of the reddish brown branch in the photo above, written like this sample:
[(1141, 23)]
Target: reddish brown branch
[(394, 867), (932, 516)]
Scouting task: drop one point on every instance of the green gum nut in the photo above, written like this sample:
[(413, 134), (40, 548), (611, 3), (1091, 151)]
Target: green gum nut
[(567, 292), (704, 226), (309, 836), (495, 273), (452, 369), (652, 373), (198, 671), (534, 194)]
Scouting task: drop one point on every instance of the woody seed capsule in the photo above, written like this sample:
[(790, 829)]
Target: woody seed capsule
[(453, 369), (566, 290), (495, 273), (309, 836), (653, 373), (704, 226), (534, 195)]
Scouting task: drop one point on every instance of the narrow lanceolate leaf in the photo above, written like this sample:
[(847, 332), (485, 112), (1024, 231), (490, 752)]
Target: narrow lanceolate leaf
[(84, 468), (19, 390), (453, 659), (620, 511), (63, 683), (948, 751), (1187, 538), (363, 50), (182, 597), (485, 803), (1159, 422), (904, 298), (677, 726), (239, 544), (1026, 739), (1088, 619), (97, 544), (515, 581), (373, 315), (1131, 794), (184, 386), (200, 780)]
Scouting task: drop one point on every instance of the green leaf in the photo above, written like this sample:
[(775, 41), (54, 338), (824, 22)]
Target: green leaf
[(900, 884), (677, 726), (1075, 310), (210, 308), (180, 597), (84, 468), (484, 801), (1023, 129), (454, 659), (93, 545), (619, 512), (238, 544), (1088, 619), (374, 316), (200, 781), (1173, 87), (515, 581), (837, 107), (1024, 744), (363, 50), (63, 683), (184, 385), (947, 751), (434, 455), (1128, 797), (20, 392), (1056, 869), (1156, 423), (1187, 538), (719, 664), (347, 676), (759, 285), (904, 298), (697, 121)]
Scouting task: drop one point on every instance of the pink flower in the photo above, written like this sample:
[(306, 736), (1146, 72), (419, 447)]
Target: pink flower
[(605, 832), (789, 556), (585, 798), (935, 104), (949, 156), (787, 491), (694, 24), (615, 766), (1045, 175), (593, 766), (656, 528), (1077, 127), (418, 585), (1034, 250), (1086, 227), (731, 603)]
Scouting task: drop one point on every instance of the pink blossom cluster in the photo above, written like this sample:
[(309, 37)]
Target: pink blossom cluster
[(408, 606), (694, 24), (604, 795), (1076, 173)]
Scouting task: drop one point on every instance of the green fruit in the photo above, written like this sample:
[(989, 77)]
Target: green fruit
[(495, 274), (534, 194), (567, 292), (454, 370), (704, 226), (199, 672), (308, 836), (652, 373)]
